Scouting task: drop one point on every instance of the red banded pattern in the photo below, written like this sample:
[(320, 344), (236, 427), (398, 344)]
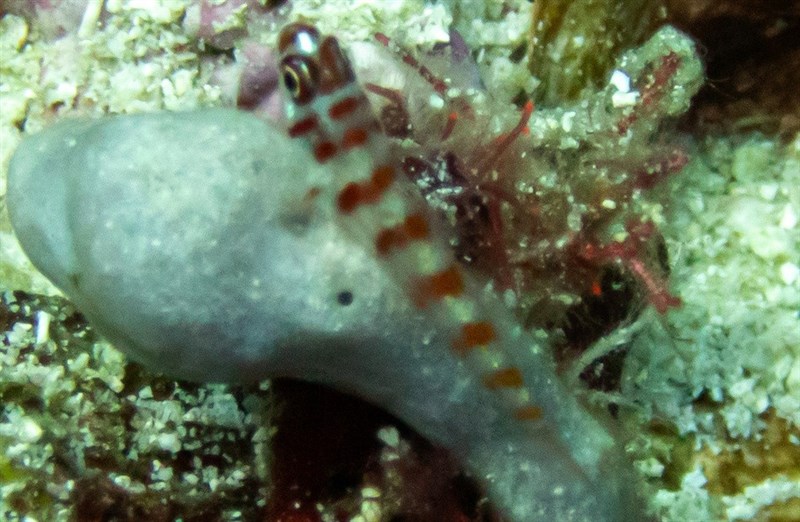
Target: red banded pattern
[(386, 213), (367, 192)]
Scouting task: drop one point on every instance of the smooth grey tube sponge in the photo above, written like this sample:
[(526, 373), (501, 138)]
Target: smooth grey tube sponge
[(205, 245), (191, 242)]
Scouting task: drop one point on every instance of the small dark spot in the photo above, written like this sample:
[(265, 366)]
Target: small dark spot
[(519, 53), (345, 297), (75, 322)]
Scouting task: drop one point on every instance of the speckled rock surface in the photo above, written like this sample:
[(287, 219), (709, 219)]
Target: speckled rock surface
[(714, 383)]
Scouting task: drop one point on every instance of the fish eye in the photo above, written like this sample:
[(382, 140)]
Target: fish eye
[(300, 78)]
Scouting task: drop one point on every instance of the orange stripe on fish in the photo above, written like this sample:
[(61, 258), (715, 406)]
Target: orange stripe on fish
[(478, 334), (415, 227), (528, 413), (324, 151), (355, 194), (505, 378), (344, 107), (448, 282), (303, 126), (354, 137)]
